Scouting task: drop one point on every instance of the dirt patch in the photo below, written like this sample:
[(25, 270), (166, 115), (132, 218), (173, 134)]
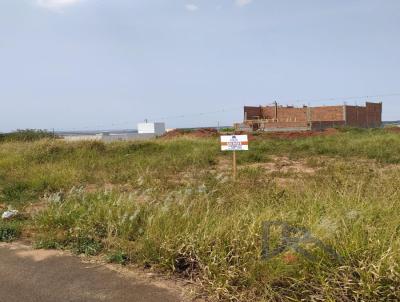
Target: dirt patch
[(187, 289), (96, 188), (224, 164), (38, 255), (211, 132), (285, 165), (287, 182), (197, 133), (278, 164), (393, 129), (298, 134), (35, 207)]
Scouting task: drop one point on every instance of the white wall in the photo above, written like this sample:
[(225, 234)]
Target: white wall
[(151, 128), (110, 138), (77, 138)]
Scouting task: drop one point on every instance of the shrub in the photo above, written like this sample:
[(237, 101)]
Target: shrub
[(28, 135)]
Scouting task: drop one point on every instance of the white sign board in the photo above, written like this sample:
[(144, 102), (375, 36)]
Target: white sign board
[(234, 143)]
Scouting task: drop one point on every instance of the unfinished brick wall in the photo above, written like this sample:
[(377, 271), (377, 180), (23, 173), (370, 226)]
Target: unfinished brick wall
[(303, 114), (314, 117), (270, 125), (374, 114), (356, 116), (366, 117), (327, 113), (321, 125), (285, 114), (286, 125), (252, 112)]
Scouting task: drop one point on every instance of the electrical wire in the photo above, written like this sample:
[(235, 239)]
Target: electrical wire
[(230, 109)]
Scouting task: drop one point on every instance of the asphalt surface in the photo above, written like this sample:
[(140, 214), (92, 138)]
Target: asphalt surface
[(28, 275)]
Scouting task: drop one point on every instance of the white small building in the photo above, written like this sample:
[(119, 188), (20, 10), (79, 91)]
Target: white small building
[(151, 128)]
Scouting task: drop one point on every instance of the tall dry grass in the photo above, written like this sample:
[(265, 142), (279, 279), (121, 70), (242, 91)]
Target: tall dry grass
[(170, 205)]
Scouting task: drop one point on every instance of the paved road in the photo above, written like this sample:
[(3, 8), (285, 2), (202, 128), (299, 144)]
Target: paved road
[(51, 276)]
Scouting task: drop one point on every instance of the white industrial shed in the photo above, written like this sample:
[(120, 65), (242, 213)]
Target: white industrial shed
[(151, 128)]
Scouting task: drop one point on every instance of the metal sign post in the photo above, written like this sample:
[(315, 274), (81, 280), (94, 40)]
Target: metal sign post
[(234, 164), (234, 143)]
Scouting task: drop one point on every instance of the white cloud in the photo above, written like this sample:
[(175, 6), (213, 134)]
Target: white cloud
[(243, 2), (191, 7), (56, 4)]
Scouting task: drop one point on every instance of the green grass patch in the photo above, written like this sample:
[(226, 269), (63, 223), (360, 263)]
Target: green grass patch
[(10, 230)]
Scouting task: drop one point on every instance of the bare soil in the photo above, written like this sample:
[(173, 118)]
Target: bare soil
[(285, 165), (211, 132), (278, 164), (298, 134), (198, 133), (393, 129)]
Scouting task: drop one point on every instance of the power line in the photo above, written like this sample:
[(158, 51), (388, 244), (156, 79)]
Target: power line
[(104, 126), (198, 114), (230, 109), (349, 98)]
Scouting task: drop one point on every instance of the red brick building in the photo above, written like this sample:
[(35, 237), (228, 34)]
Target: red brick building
[(289, 118)]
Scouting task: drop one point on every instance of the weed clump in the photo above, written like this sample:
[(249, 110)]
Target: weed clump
[(10, 230), (119, 257)]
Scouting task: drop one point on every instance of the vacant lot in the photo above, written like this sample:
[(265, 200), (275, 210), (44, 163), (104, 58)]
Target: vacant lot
[(170, 204)]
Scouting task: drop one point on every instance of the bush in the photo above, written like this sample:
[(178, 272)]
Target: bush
[(28, 135), (119, 257)]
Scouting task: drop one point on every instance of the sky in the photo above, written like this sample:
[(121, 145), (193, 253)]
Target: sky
[(109, 64)]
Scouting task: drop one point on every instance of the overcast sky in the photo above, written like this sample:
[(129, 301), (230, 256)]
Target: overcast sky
[(90, 64)]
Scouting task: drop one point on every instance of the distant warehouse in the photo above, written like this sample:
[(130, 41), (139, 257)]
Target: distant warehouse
[(151, 128), (289, 118)]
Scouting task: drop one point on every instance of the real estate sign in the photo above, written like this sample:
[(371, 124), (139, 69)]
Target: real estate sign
[(234, 143)]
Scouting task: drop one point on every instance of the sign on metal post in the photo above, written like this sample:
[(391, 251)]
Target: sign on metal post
[(234, 143)]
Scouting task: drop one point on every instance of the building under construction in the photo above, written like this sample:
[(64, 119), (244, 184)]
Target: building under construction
[(289, 118)]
